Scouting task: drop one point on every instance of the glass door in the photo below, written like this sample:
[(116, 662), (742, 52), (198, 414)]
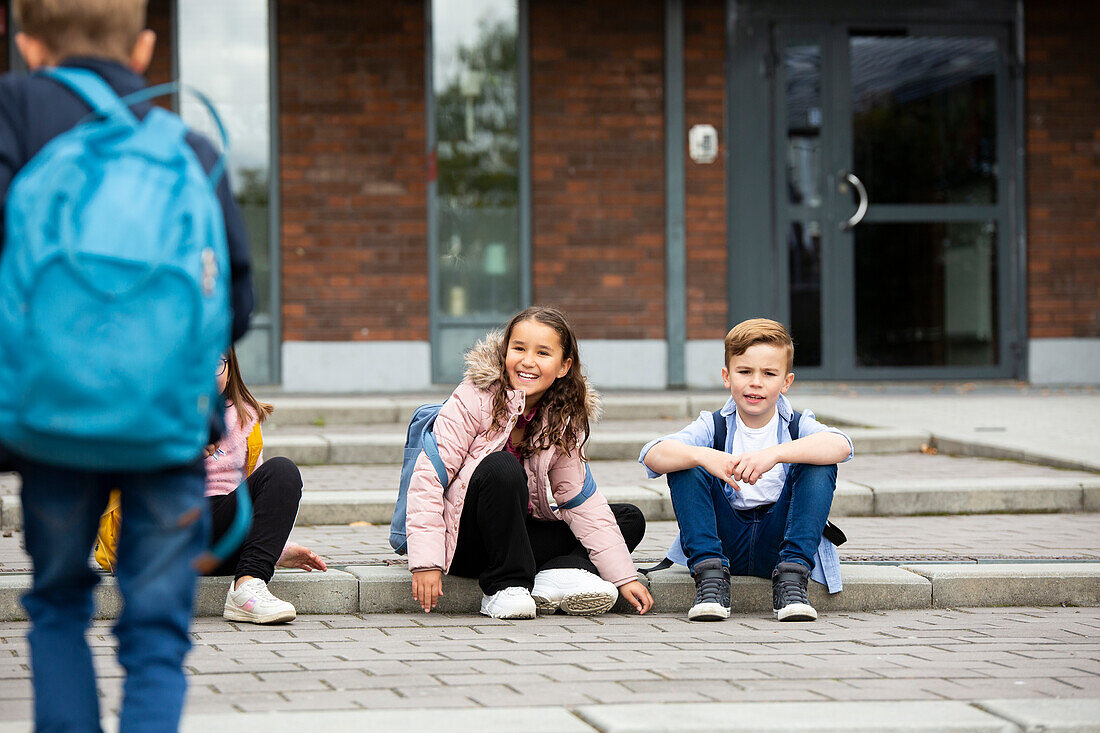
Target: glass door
[(891, 193)]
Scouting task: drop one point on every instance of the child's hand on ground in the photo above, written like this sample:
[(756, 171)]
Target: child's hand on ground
[(296, 556), (636, 595), (749, 467), (427, 588), (720, 465)]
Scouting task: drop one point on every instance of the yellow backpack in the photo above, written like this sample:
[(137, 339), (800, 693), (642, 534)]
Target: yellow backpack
[(110, 524)]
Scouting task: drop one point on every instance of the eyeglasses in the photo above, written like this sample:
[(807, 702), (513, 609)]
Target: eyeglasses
[(222, 366)]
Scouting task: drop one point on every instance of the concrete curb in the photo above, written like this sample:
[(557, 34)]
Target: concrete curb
[(311, 449), (879, 716), (1005, 584), (966, 446), (332, 592), (866, 588), (387, 589)]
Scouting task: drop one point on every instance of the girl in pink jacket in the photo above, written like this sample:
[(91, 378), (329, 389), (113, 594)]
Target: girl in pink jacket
[(511, 437)]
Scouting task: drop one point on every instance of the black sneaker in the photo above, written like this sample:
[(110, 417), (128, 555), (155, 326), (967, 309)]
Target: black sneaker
[(790, 601), (712, 592)]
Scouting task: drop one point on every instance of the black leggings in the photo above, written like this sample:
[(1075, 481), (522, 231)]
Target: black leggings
[(275, 488), (502, 546)]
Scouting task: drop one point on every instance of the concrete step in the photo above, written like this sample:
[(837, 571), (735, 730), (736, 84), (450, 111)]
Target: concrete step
[(867, 587), (889, 497), (367, 445), (361, 410)]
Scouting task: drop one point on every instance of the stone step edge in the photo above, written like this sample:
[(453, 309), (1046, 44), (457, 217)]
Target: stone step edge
[(1014, 715), (312, 449), (894, 498), (359, 410), (387, 589)]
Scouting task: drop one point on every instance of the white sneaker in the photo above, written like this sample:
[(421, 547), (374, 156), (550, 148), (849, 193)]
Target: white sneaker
[(514, 602), (575, 591), (253, 602)]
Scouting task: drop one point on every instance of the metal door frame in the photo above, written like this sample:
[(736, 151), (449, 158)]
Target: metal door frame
[(758, 280)]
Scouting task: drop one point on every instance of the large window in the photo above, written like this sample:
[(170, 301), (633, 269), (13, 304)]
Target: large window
[(477, 206), (222, 50)]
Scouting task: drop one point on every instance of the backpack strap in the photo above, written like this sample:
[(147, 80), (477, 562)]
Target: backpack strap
[(99, 95), (237, 532), (587, 490), (431, 450), (663, 565), (91, 87), (792, 426), (719, 430)]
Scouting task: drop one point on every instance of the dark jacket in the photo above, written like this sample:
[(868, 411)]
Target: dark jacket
[(35, 109)]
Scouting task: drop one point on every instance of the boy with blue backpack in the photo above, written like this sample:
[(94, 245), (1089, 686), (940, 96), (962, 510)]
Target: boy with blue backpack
[(752, 483), (124, 273)]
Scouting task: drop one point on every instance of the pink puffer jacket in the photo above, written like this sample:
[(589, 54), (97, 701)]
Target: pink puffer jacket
[(465, 435)]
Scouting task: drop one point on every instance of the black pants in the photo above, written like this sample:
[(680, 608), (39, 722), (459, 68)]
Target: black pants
[(275, 488), (502, 546)]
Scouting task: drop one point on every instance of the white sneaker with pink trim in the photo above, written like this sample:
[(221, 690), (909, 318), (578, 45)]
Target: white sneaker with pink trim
[(253, 602)]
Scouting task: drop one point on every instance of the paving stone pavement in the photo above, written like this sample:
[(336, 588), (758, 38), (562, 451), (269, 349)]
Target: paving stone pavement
[(326, 663)]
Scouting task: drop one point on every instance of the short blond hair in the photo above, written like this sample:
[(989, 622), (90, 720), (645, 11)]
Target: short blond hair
[(759, 331), (105, 28)]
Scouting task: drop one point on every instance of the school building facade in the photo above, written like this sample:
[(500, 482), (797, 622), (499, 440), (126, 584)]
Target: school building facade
[(912, 186)]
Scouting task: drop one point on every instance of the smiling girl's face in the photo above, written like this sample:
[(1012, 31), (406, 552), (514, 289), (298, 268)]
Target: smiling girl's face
[(534, 359)]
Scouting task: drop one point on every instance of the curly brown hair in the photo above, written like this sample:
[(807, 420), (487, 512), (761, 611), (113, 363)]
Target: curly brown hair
[(565, 403)]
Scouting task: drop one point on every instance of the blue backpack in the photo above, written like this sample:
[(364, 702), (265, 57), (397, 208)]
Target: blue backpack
[(420, 437), (114, 296)]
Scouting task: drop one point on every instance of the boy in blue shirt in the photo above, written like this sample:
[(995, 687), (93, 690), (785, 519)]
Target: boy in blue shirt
[(760, 504), (166, 526)]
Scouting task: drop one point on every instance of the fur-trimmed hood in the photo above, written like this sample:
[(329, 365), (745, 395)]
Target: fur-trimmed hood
[(483, 370)]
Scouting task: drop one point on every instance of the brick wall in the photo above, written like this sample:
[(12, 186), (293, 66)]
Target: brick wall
[(597, 128), (1063, 168), (353, 170), (704, 103)]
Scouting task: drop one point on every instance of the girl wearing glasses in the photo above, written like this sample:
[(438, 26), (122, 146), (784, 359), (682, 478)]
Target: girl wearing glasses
[(275, 487)]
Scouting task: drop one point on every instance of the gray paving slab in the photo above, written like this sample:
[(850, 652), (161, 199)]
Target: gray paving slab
[(882, 717), (1054, 427), (1050, 716), (1044, 584)]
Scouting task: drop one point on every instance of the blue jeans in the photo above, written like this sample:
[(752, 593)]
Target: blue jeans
[(753, 541), (164, 529)]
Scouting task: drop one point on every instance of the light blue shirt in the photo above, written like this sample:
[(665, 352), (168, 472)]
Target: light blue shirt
[(701, 433)]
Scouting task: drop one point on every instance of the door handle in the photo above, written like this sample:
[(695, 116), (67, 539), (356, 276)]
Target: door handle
[(861, 210)]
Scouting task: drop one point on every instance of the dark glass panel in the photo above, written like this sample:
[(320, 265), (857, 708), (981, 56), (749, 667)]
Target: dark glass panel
[(802, 69), (924, 118), (926, 294), (804, 247)]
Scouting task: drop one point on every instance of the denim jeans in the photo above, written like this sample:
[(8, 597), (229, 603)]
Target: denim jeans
[(164, 528), (753, 541)]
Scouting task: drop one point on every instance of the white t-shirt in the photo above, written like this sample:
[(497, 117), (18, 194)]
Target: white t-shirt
[(768, 487)]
